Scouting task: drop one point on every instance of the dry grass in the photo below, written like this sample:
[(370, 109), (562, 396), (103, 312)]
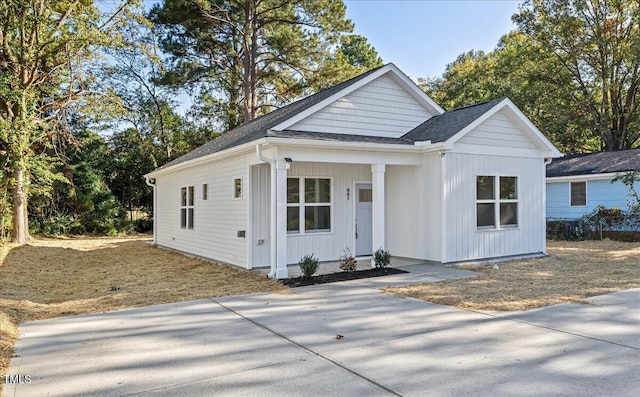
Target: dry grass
[(61, 277), (572, 272)]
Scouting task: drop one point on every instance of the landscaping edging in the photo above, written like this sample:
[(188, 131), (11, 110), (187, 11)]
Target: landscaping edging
[(341, 276)]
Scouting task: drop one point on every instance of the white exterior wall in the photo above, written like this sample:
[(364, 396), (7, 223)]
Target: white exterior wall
[(405, 211), (217, 220), (433, 207), (379, 108), (463, 240), (414, 209), (498, 131), (329, 246)]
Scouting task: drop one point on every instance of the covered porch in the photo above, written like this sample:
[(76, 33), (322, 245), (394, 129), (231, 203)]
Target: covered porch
[(328, 201)]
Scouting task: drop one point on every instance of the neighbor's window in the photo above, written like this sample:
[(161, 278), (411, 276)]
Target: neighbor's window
[(237, 188), (186, 207), (496, 202), (578, 194), (205, 191), (313, 205)]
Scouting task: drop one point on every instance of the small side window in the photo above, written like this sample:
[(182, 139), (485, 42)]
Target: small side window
[(205, 192), (578, 194), (237, 187)]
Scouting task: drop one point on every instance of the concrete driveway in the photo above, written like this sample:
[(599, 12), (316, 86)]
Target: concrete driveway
[(287, 345)]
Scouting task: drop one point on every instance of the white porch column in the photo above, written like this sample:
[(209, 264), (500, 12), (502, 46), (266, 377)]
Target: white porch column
[(377, 226), (281, 219)]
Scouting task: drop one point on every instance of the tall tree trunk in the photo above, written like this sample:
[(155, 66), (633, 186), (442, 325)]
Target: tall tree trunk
[(20, 217)]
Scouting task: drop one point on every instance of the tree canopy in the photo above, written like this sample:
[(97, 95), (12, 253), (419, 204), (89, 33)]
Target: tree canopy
[(573, 66), (243, 57)]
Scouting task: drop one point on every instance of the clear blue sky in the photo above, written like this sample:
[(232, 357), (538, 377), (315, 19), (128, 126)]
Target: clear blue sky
[(421, 37)]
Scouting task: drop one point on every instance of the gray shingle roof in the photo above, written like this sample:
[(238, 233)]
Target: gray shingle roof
[(257, 128), (442, 127), (436, 129), (595, 163)]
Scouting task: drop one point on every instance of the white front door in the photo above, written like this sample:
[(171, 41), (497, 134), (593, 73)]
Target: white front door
[(364, 198)]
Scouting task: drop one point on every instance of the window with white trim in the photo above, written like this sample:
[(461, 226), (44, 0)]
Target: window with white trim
[(187, 207), (578, 194), (308, 199), (496, 202)]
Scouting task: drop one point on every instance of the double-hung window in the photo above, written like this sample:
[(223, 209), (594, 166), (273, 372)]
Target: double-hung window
[(308, 205), (187, 207), (578, 194), (496, 202)]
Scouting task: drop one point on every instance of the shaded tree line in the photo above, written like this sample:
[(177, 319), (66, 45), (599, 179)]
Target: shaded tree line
[(572, 66), (89, 92)]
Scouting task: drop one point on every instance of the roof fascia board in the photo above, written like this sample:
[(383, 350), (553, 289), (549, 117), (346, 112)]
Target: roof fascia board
[(213, 156), (415, 89), (552, 152), (348, 145), (249, 146), (360, 83), (583, 177), (294, 119), (512, 106)]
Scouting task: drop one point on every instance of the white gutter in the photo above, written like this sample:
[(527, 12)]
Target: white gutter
[(585, 177), (274, 204), (213, 156), (425, 146), (155, 219), (420, 146)]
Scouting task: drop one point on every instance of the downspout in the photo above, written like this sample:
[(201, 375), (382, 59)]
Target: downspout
[(274, 203), (547, 161), (152, 182)]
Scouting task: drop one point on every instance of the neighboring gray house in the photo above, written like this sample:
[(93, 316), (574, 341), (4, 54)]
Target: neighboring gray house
[(370, 163), (577, 184)]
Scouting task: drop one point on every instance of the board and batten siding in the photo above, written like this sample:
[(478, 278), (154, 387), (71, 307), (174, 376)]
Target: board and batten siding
[(217, 219), (599, 192), (433, 205), (413, 207), (380, 108), (498, 131), (463, 240), (329, 246)]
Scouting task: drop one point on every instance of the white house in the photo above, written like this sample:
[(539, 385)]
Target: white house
[(369, 163), (577, 184)]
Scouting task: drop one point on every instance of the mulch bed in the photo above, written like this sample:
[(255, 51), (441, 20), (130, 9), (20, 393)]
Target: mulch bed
[(341, 276)]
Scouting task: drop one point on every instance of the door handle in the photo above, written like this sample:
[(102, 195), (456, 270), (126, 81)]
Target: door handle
[(356, 228)]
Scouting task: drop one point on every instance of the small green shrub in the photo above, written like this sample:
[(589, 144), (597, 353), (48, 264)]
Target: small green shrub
[(382, 258), (308, 265), (348, 262)]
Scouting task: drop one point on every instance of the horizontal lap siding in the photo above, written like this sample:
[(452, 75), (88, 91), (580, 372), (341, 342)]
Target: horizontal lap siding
[(599, 192), (380, 108), (329, 246), (463, 241), (498, 131), (217, 220)]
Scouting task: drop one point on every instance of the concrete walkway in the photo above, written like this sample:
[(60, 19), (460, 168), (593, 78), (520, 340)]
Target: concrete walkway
[(287, 344)]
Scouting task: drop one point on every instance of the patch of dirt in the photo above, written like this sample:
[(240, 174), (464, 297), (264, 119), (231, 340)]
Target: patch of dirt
[(572, 272), (67, 276), (341, 276)]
